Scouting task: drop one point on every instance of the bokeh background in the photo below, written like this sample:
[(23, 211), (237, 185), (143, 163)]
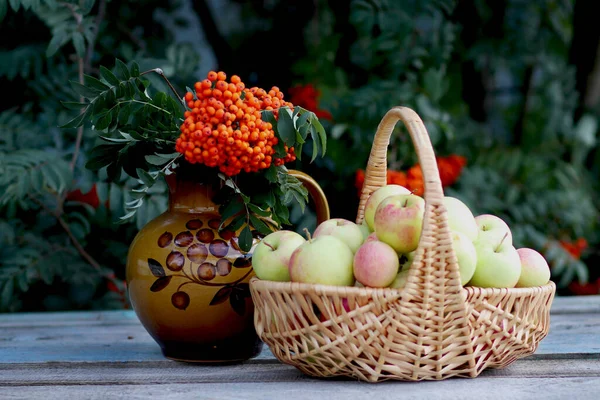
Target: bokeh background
[(509, 91)]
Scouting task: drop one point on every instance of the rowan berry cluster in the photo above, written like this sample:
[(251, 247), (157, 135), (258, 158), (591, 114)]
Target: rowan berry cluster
[(223, 127)]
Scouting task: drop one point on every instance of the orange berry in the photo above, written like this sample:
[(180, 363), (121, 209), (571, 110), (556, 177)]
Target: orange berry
[(212, 76), (221, 76)]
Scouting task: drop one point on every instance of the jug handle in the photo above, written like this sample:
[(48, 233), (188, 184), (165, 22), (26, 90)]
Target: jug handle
[(316, 193)]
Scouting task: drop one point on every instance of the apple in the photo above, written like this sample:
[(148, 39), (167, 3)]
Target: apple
[(400, 280), (376, 264), (534, 268), (406, 260), (371, 237), (460, 218), (399, 221), (493, 229), (466, 256), (364, 228), (325, 260), (498, 266), (347, 231), (271, 256), (376, 197)]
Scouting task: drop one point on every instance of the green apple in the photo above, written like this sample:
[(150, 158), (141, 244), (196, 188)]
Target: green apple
[(406, 260), (375, 264), (325, 260), (466, 256), (399, 221), (364, 228), (376, 197), (534, 268), (400, 280), (271, 256), (345, 230), (493, 229), (460, 218), (498, 266)]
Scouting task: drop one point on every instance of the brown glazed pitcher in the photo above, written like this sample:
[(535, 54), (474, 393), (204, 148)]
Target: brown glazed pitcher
[(188, 282)]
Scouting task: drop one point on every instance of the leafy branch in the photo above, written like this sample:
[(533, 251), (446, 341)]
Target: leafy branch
[(292, 128)]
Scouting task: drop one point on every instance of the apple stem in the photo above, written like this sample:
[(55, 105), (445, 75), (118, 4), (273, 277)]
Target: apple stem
[(268, 245), (500, 244), (308, 234)]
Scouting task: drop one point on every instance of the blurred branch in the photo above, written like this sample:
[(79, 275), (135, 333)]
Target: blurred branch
[(526, 90), (92, 43), (583, 54), (82, 252)]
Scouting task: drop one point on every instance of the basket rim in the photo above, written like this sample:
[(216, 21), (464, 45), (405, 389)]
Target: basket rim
[(286, 287)]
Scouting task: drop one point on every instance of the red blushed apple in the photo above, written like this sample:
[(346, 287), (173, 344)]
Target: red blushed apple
[(534, 268), (399, 221), (376, 264), (376, 197), (345, 230)]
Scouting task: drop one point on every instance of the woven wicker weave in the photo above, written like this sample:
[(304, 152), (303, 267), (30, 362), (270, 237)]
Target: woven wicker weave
[(432, 329)]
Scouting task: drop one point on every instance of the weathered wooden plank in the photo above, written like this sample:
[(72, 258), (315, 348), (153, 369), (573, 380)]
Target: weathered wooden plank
[(164, 372), (128, 341), (573, 388), (561, 305), (575, 304)]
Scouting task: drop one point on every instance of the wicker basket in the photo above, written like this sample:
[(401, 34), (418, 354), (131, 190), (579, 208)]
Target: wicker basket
[(432, 329)]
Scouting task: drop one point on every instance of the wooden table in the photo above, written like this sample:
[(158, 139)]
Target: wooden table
[(107, 355)]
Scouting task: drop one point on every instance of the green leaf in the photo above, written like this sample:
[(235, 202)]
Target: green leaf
[(156, 160), (103, 122), (79, 44), (232, 208), (145, 177), (115, 140), (122, 70), (259, 211), (86, 6), (94, 83), (268, 116), (75, 122), (103, 155), (57, 41), (109, 76), (245, 239), (73, 105), (282, 212), (322, 135), (85, 91), (271, 173), (302, 120), (259, 225), (135, 69), (285, 127)]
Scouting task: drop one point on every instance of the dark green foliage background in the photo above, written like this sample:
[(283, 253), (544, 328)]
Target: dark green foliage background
[(499, 85)]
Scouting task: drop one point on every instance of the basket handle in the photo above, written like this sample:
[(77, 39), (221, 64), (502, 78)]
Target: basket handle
[(434, 257)]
